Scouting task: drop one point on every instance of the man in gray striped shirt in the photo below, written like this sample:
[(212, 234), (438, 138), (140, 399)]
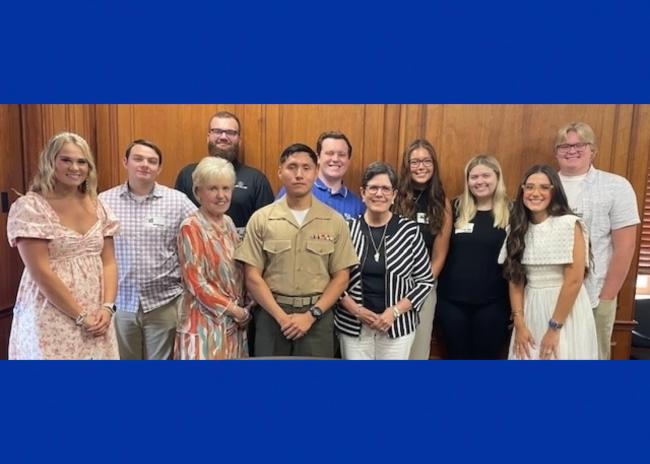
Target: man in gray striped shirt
[(149, 280)]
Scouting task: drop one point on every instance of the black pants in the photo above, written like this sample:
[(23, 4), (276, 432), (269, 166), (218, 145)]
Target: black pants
[(473, 331)]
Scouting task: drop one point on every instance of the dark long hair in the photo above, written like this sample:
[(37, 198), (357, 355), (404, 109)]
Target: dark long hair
[(406, 198), (520, 218)]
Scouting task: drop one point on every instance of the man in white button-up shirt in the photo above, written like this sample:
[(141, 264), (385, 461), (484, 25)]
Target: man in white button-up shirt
[(607, 204)]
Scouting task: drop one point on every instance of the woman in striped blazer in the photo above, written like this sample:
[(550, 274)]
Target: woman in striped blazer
[(377, 316)]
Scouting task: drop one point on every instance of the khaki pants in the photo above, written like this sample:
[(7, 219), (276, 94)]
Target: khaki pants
[(421, 348), (147, 335), (604, 315)]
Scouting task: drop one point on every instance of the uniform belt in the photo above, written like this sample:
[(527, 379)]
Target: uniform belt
[(296, 301)]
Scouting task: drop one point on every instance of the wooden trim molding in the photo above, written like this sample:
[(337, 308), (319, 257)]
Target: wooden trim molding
[(6, 316)]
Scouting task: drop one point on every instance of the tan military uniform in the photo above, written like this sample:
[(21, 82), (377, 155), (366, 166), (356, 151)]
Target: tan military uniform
[(296, 263)]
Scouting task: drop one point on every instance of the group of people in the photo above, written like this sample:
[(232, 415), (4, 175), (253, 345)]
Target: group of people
[(219, 268)]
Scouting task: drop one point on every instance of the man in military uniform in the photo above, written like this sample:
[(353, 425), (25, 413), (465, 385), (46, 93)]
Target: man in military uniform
[(297, 254)]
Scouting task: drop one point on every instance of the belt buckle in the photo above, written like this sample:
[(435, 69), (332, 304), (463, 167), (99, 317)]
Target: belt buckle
[(298, 301), (302, 301)]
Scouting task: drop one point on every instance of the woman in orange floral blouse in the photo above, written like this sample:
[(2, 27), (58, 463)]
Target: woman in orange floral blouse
[(213, 313)]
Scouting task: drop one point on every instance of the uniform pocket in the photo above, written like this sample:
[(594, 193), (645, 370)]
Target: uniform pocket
[(320, 247), (316, 260), (277, 246), (279, 259)]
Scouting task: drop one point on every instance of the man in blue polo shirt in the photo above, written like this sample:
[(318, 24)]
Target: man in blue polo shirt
[(334, 153)]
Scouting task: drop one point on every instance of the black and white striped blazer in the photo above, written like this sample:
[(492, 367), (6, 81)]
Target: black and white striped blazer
[(408, 274)]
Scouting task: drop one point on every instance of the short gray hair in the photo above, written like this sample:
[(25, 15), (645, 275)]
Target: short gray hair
[(211, 168)]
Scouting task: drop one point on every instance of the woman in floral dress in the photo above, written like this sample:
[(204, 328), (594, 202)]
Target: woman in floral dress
[(213, 313), (64, 235)]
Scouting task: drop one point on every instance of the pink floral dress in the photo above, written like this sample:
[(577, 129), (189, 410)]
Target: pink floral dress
[(39, 330)]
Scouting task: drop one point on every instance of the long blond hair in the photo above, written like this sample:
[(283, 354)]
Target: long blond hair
[(466, 203), (44, 180)]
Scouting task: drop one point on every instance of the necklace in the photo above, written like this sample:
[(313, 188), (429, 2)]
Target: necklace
[(381, 242)]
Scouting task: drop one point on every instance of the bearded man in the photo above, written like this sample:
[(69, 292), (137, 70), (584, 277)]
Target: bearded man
[(252, 189)]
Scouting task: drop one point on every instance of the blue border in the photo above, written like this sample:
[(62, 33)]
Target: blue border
[(303, 411), (324, 52)]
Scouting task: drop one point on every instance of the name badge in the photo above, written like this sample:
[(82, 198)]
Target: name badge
[(241, 231), (156, 221), (466, 229), (421, 218)]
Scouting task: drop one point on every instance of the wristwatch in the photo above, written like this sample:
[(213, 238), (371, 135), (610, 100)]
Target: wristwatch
[(316, 312), (110, 306), (555, 325)]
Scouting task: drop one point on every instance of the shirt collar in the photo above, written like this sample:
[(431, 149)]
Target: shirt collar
[(591, 174), (318, 210), (235, 164), (343, 191), (155, 193)]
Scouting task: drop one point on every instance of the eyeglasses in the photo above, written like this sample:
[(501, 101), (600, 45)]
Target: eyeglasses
[(539, 187), (227, 132), (374, 189), (565, 147), (427, 162)]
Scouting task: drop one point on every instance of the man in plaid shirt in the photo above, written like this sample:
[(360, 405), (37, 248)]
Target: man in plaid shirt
[(149, 284)]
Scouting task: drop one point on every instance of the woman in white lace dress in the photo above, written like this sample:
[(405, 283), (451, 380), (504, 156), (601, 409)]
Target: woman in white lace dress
[(546, 257)]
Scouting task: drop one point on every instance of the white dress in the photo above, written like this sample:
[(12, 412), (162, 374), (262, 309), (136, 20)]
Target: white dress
[(549, 247)]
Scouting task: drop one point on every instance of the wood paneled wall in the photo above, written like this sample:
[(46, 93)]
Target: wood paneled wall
[(11, 178), (518, 135), (181, 132)]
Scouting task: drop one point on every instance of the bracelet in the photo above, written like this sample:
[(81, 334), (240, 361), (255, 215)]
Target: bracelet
[(110, 307), (80, 318), (396, 312), (515, 313), (232, 305)]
